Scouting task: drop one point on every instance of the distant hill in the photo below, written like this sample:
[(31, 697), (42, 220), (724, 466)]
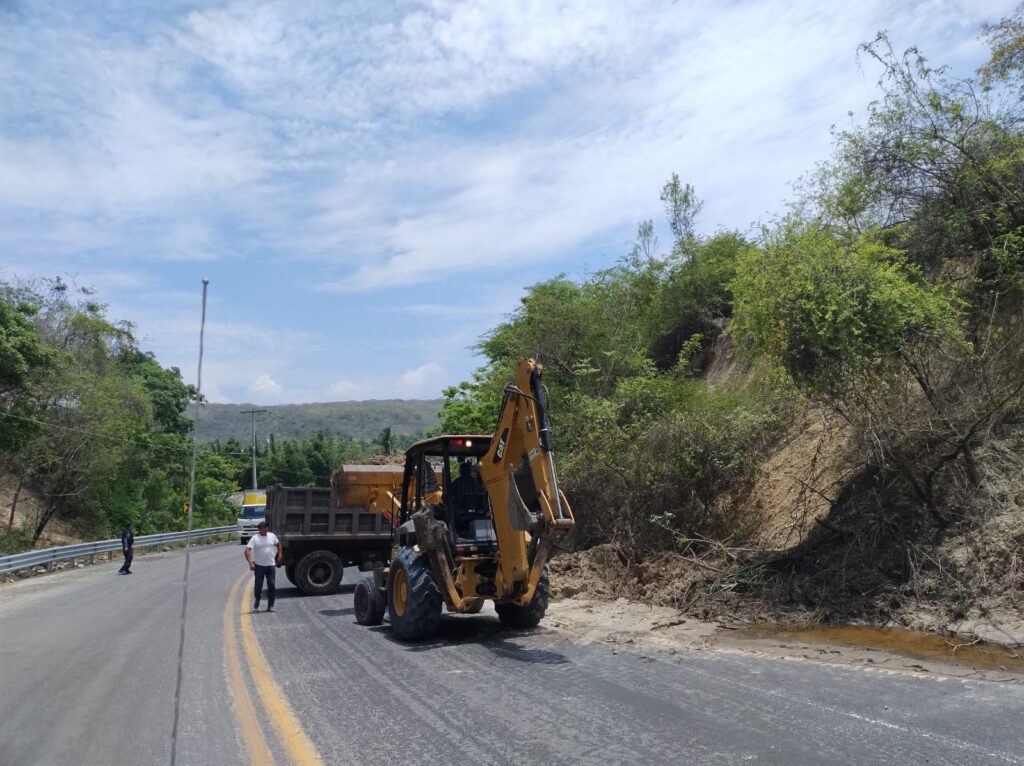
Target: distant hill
[(360, 420)]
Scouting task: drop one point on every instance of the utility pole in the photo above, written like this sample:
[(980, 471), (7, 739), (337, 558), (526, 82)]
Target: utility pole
[(253, 413)]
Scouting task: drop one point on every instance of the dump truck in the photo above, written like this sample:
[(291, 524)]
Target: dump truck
[(485, 535), (325, 529)]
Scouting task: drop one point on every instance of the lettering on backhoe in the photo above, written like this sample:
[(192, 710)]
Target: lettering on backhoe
[(499, 453)]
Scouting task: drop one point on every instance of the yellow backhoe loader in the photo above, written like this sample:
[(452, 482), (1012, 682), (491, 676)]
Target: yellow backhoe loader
[(483, 534)]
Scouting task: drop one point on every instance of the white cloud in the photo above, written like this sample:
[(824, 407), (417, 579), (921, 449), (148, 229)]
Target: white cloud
[(265, 385), (423, 382), (333, 131), (349, 390), (362, 146), (211, 392)]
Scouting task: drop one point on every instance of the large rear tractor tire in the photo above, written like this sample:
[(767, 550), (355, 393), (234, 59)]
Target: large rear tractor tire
[(318, 573), (529, 616), (368, 602), (414, 602)]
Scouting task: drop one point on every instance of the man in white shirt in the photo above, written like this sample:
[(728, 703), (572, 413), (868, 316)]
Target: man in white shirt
[(263, 554)]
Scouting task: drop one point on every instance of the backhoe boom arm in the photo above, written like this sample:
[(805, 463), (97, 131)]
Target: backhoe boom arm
[(522, 440)]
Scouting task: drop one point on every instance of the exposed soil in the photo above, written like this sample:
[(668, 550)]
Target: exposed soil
[(798, 483), (57, 532)]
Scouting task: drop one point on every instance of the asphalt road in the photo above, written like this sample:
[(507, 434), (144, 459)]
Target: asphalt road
[(88, 662)]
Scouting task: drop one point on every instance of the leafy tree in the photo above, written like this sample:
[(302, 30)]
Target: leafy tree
[(837, 312), (889, 294), (1006, 41), (24, 358), (682, 207), (386, 441)]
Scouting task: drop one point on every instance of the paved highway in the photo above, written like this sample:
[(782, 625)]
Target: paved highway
[(88, 663)]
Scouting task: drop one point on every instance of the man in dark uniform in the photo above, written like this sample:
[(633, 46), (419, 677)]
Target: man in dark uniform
[(127, 542)]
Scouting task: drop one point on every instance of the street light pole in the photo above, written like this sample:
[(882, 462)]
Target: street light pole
[(253, 413)]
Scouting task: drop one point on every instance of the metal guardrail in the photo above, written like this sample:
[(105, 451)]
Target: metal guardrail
[(49, 557)]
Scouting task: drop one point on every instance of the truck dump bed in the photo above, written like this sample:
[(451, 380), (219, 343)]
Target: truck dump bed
[(370, 487), (300, 512), (323, 530)]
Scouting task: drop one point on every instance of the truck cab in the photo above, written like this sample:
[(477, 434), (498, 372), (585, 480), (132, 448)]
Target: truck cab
[(254, 510)]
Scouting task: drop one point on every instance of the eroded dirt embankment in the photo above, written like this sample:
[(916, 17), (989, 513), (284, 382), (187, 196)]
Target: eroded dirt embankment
[(809, 566)]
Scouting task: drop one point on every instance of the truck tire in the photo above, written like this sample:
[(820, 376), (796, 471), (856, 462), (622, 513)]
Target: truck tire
[(289, 572), (243, 540), (529, 616), (414, 602), (318, 573), (368, 602)]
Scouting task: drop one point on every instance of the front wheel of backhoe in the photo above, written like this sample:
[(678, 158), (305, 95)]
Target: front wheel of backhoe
[(414, 602), (529, 616)]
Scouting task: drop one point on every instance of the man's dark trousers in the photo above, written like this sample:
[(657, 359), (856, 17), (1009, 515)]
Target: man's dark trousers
[(127, 565), (271, 574)]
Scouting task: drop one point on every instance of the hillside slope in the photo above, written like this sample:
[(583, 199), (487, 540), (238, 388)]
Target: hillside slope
[(826, 542)]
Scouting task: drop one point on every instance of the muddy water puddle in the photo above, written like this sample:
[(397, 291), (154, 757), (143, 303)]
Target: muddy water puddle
[(981, 655)]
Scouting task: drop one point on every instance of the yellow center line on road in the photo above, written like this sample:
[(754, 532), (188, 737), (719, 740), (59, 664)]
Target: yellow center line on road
[(289, 731), (252, 738)]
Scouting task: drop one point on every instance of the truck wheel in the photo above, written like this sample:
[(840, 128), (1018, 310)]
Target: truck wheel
[(289, 572), (243, 540), (414, 602), (368, 602), (515, 616), (318, 573)]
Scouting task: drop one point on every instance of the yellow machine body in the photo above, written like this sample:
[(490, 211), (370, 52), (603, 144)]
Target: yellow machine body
[(518, 454)]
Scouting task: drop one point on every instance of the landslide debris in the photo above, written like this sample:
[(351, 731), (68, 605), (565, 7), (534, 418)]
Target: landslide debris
[(839, 563)]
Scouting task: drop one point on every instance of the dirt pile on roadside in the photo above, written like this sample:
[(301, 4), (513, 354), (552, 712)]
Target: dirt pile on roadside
[(704, 588), (395, 459)]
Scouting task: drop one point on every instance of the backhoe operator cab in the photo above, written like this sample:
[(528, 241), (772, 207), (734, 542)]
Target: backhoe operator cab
[(475, 520)]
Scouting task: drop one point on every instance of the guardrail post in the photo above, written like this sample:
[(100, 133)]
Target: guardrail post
[(51, 565)]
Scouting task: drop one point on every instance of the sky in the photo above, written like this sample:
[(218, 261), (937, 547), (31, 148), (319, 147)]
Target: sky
[(370, 186)]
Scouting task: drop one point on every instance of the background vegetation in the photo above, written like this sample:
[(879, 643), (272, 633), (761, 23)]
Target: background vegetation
[(94, 431), (357, 420)]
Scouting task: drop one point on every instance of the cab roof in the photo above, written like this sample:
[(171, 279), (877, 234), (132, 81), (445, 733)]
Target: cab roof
[(458, 445)]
